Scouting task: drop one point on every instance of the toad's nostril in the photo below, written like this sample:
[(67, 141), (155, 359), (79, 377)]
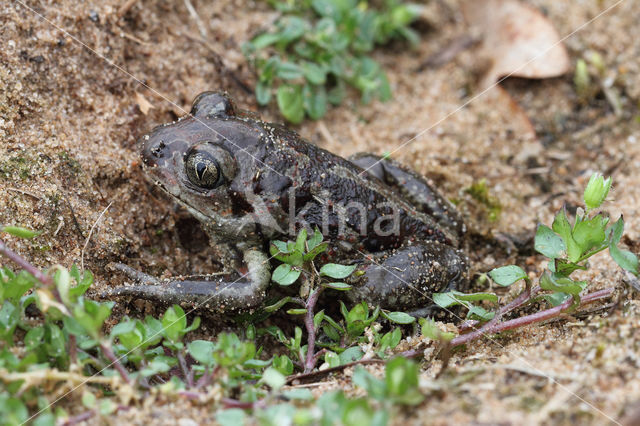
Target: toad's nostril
[(156, 151)]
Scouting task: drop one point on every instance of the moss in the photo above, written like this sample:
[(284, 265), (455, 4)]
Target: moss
[(479, 191)]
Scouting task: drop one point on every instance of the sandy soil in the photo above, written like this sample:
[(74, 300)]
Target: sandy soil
[(73, 78)]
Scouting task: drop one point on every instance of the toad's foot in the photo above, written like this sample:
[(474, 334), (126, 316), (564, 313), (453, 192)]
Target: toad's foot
[(406, 278)]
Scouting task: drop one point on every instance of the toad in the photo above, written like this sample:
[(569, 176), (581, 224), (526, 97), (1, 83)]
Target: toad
[(250, 182)]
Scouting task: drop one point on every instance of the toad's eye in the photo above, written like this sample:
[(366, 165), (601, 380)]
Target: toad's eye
[(203, 170)]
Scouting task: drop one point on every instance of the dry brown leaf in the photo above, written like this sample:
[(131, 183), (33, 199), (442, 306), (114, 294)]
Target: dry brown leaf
[(518, 40), (143, 103), (516, 118)]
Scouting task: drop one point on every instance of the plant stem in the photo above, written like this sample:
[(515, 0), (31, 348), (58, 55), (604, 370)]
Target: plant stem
[(234, 403), (19, 260), (185, 370), (73, 349), (522, 298), (493, 328), (115, 362), (82, 417), (306, 377), (311, 330)]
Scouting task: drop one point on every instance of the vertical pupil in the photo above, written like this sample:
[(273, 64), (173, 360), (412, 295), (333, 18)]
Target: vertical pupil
[(201, 166)]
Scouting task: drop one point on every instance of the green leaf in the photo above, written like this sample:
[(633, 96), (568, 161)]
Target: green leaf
[(293, 28), (336, 271), (337, 93), (91, 315), (479, 313), (301, 394), (452, 298), (17, 286), (558, 283), (549, 243), (315, 101), (263, 40), (563, 267), (332, 359), (430, 329), (283, 364), (279, 247), (589, 234), (390, 339), (88, 399), (263, 93), (291, 102), (314, 73), (231, 417), (557, 298), (174, 321), (314, 240), (401, 378), (33, 338), (289, 71), (285, 275), (337, 286), (398, 317), (297, 311), (273, 378), (107, 407), (563, 228), (202, 351), (62, 280), (312, 253), (507, 275), (286, 253), (18, 231), (375, 387), (317, 319), (614, 233), (624, 258), (279, 304), (354, 353), (157, 366), (445, 300), (473, 297), (301, 240)]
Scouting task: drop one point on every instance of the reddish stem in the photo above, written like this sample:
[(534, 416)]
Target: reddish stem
[(16, 258), (493, 328), (79, 418), (185, 370), (116, 363), (73, 349), (522, 298), (311, 330), (234, 403)]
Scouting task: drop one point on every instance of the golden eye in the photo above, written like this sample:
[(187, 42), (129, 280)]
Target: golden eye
[(203, 170)]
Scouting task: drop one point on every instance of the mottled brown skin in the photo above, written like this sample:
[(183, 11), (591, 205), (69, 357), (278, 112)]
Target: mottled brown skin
[(243, 179)]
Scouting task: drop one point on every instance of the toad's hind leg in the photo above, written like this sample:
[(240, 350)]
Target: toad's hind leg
[(233, 293), (406, 278), (413, 187)]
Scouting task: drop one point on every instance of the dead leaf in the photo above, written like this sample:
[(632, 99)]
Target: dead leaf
[(143, 103), (515, 118), (518, 40)]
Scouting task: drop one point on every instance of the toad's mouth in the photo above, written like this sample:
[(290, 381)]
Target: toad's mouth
[(169, 185)]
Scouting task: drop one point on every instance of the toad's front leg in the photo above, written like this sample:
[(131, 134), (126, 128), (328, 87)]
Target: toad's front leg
[(235, 293)]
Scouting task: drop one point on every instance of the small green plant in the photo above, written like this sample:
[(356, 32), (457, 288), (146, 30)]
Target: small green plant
[(592, 77), (68, 345), (340, 338), (479, 191), (319, 47), (568, 245)]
